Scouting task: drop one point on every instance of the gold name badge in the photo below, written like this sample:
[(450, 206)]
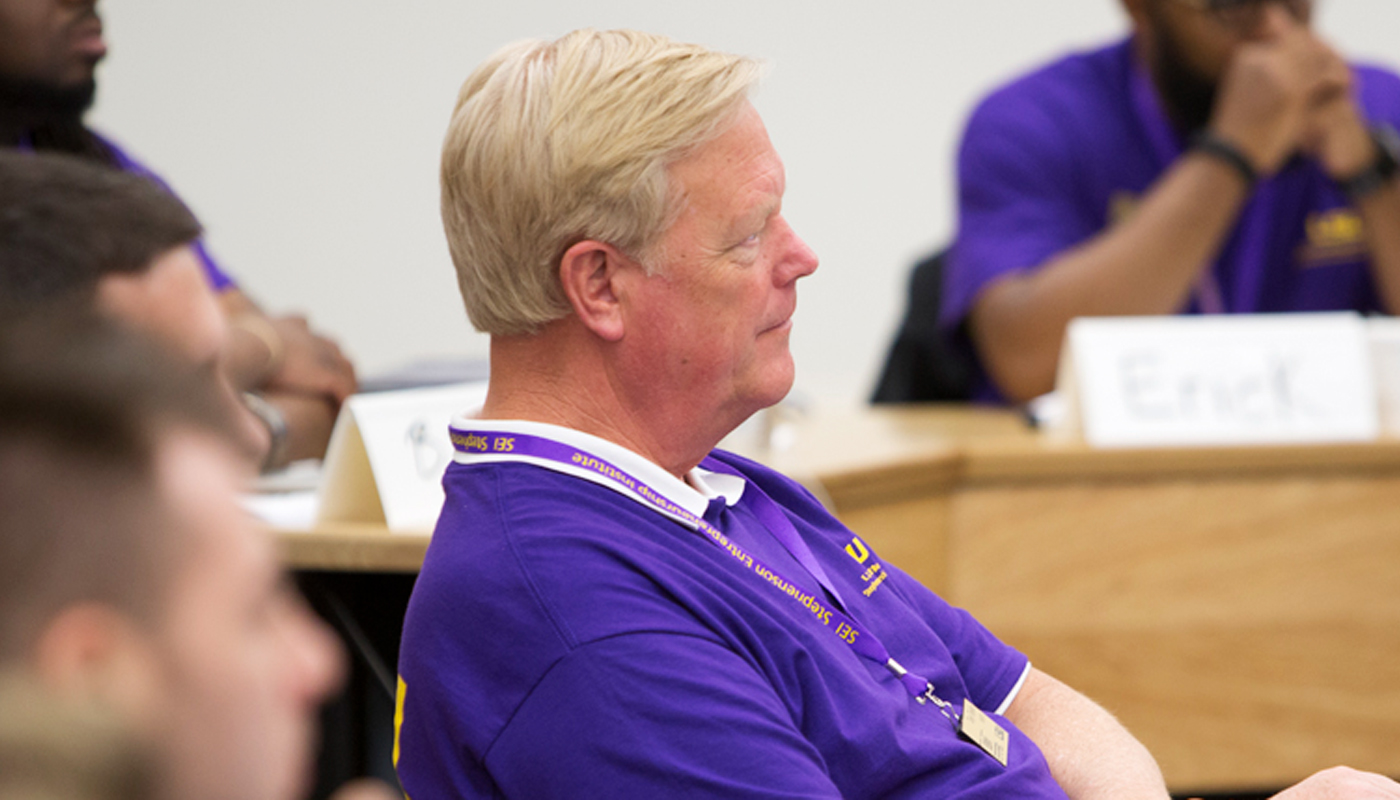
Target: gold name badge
[(979, 729)]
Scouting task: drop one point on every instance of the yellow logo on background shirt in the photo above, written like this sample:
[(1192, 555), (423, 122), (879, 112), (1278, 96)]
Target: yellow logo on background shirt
[(1332, 237)]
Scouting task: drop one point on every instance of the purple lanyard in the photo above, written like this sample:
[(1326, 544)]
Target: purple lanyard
[(768, 513)]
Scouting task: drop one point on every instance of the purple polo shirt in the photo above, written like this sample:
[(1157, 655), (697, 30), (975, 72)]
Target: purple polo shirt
[(566, 638), (1055, 157)]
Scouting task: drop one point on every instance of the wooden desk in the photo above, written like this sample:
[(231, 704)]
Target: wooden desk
[(1238, 609)]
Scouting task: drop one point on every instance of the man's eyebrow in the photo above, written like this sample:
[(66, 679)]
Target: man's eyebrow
[(761, 212)]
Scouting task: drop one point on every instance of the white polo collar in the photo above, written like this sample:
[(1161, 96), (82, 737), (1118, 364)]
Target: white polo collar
[(693, 494)]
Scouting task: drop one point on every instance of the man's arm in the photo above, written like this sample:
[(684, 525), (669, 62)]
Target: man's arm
[(1145, 266), (1337, 136), (1090, 754), (282, 353), (303, 376), (1149, 263)]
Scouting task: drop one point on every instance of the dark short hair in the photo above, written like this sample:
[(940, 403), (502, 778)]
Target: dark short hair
[(65, 222), (84, 406)]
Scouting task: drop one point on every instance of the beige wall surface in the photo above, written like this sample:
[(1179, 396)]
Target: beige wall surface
[(306, 133)]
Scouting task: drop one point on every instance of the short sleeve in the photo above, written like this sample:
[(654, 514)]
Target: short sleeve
[(991, 669), (655, 715), (1017, 197), (1378, 91), (219, 280)]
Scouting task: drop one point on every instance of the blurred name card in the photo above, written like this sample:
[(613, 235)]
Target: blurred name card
[(1384, 334), (388, 453), (1219, 380)]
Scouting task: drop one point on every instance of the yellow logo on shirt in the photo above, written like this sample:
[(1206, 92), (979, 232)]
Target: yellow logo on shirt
[(398, 716), (1332, 237), (874, 574)]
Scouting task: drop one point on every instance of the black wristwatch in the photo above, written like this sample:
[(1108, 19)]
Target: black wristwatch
[(1380, 172)]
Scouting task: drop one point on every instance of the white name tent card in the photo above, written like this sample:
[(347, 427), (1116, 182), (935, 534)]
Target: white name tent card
[(1218, 380), (388, 453), (1384, 334)]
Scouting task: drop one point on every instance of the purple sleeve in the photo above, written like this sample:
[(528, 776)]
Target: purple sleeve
[(1016, 197), (990, 668), (1378, 91), (652, 715), (218, 279)]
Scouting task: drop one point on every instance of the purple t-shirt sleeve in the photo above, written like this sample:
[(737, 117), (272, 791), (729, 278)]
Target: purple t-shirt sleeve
[(1379, 93), (218, 279), (989, 667), (654, 715), (1017, 175)]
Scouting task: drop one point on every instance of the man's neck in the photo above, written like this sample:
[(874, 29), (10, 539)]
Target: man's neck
[(560, 377)]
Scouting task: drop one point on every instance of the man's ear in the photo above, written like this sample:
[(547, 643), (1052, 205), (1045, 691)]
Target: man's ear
[(589, 273), (94, 653)]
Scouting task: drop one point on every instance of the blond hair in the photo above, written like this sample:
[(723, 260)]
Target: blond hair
[(552, 143)]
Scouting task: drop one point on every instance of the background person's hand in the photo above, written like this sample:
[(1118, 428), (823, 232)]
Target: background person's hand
[(1336, 135), (310, 363), (1272, 90), (1343, 783)]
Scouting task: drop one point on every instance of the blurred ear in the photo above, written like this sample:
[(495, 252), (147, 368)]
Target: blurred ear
[(589, 273), (1137, 12), (94, 653)]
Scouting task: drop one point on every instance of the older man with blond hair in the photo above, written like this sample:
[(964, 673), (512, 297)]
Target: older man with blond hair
[(610, 607)]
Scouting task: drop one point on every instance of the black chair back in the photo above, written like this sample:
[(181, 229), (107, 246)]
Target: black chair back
[(925, 364)]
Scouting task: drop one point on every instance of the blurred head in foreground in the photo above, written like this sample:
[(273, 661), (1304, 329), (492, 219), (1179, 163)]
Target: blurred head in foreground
[(129, 575), (74, 235)]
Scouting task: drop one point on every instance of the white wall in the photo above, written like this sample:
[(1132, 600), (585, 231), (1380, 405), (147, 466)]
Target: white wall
[(305, 134)]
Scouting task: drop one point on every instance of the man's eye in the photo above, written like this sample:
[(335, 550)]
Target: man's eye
[(750, 241)]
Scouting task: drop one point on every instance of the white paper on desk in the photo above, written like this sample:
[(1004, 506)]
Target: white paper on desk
[(1219, 380), (283, 511), (388, 453)]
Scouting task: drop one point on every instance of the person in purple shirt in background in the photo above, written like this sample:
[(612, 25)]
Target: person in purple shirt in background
[(49, 50), (1223, 159), (609, 606)]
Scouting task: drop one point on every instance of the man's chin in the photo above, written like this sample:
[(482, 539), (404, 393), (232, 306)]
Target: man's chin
[(52, 101)]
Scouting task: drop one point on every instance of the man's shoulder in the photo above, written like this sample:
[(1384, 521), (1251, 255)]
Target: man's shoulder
[(1080, 81), (586, 555), (786, 491), (524, 508), (1378, 88)]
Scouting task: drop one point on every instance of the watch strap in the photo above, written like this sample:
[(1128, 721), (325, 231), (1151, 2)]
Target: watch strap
[(1381, 170), (1226, 151)]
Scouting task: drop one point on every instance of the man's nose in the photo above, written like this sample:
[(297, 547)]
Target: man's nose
[(318, 659), (798, 259)]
